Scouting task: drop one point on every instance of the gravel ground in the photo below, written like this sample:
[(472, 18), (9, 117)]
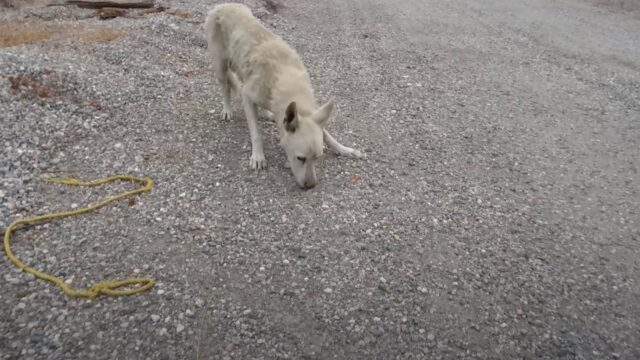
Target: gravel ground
[(496, 215)]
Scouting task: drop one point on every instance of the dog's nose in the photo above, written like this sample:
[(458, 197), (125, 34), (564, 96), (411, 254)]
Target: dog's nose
[(309, 185)]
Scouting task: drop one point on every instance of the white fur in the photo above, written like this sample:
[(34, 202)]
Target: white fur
[(272, 77)]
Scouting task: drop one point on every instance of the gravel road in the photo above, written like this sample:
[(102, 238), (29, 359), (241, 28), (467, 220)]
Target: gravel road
[(495, 217)]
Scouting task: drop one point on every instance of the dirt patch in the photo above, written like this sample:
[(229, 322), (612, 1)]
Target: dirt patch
[(14, 34), (99, 36), (618, 6), (16, 4)]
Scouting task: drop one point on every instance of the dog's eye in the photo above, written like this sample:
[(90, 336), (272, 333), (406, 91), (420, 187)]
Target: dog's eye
[(302, 159)]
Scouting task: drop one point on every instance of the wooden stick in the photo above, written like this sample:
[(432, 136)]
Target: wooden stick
[(99, 4)]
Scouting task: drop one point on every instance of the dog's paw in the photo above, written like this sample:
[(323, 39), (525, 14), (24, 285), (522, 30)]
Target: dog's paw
[(353, 153), (258, 162), (226, 114), (358, 154)]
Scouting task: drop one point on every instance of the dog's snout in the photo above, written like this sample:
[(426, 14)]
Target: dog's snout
[(309, 185)]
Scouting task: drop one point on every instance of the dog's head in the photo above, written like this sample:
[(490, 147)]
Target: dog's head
[(303, 142)]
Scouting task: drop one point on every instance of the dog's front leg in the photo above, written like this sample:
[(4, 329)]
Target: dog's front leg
[(334, 145), (257, 160)]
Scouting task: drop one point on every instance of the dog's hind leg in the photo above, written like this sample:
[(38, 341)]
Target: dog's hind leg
[(222, 73), (227, 80), (334, 145)]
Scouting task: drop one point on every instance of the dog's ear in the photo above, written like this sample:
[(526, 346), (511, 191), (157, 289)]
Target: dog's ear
[(321, 116), (291, 118)]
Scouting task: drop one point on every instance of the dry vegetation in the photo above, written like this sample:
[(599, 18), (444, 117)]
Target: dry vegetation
[(30, 85), (45, 85), (14, 34)]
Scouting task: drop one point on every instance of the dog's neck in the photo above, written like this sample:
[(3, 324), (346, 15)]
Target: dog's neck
[(293, 87)]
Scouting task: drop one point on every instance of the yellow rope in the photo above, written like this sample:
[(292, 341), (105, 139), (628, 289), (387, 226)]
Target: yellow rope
[(109, 287)]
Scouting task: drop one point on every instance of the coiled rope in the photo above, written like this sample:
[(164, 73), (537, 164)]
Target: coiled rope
[(109, 287)]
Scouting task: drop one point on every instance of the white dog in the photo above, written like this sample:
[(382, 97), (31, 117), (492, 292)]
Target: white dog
[(272, 77)]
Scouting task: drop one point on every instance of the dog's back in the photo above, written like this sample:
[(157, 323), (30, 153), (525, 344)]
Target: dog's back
[(255, 54)]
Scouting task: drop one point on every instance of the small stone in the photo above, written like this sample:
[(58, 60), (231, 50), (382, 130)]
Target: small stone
[(21, 306), (179, 328), (155, 318), (162, 332), (118, 146), (377, 331), (328, 290), (431, 337)]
